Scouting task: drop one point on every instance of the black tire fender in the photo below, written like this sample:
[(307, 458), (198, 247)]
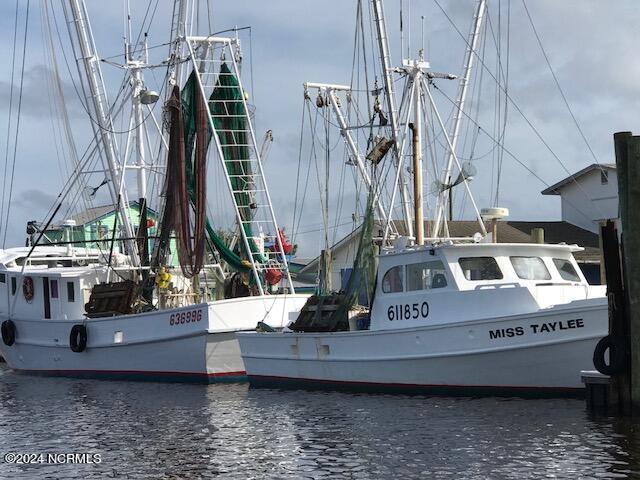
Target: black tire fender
[(78, 338), (617, 355), (8, 329)]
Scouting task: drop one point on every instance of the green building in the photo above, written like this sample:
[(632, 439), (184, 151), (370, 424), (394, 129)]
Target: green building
[(94, 227)]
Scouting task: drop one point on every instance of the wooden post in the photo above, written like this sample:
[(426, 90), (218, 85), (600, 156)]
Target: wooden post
[(326, 264), (417, 184), (537, 235), (627, 148), (620, 385)]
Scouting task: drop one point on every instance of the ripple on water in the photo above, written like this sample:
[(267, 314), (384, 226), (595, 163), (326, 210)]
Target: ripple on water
[(152, 430)]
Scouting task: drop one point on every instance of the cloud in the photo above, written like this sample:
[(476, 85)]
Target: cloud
[(590, 45), (36, 95)]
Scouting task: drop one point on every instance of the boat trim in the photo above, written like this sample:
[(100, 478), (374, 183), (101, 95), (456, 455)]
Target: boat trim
[(270, 381)]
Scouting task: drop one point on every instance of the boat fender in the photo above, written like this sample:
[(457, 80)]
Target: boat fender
[(78, 338), (27, 289), (617, 355), (8, 329)]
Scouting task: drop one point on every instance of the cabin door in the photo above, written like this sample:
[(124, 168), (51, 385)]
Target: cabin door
[(47, 297)]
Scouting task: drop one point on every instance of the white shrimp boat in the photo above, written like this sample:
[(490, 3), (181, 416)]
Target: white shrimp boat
[(449, 315), (453, 318), (62, 312)]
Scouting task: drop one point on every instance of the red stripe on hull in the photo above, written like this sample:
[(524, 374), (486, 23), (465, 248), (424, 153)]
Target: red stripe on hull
[(196, 377)]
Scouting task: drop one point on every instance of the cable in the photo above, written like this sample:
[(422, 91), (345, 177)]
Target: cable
[(6, 156), (17, 132), (519, 110), (555, 79)]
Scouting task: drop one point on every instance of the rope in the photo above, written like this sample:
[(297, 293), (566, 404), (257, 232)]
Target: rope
[(17, 131)]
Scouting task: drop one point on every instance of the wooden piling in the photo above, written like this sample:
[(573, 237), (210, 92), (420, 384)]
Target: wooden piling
[(537, 235), (627, 148)]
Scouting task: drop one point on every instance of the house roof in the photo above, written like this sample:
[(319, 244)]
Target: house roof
[(508, 232), (96, 213), (555, 189)]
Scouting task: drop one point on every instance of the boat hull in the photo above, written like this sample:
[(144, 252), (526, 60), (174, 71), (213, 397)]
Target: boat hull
[(481, 356), (189, 344)]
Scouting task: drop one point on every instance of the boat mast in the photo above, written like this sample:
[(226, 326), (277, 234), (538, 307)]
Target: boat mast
[(101, 123), (385, 60), (329, 90), (472, 45), (416, 128)]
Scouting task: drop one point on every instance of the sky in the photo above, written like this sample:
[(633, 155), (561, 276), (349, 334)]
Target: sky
[(590, 44)]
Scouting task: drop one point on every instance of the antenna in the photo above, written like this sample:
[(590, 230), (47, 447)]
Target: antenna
[(409, 33), (401, 33), (422, 27)]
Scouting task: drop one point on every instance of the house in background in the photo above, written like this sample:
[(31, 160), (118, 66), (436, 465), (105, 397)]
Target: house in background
[(588, 197), (344, 251), (96, 225)]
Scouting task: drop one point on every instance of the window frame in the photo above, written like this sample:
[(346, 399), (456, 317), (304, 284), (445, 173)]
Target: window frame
[(399, 268), (495, 263), (604, 177), (546, 279), (430, 283), (71, 292), (560, 271), (53, 288)]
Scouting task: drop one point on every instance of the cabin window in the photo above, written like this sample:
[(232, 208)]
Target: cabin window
[(425, 275), (392, 280), (14, 285), (3, 278), (71, 292), (530, 268), (54, 289), (567, 272), (480, 268), (604, 177)]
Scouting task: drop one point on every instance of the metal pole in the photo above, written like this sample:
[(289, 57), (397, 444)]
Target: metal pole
[(385, 60), (346, 133), (416, 128), (455, 159), (105, 135), (472, 43)]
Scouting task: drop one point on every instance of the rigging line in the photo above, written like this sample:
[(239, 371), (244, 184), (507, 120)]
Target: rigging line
[(506, 105), (142, 28), (355, 57), (295, 201), (60, 100), (512, 155), (519, 110), (210, 18), (322, 228), (555, 79), (17, 131), (325, 213), (71, 77), (311, 152), (8, 141)]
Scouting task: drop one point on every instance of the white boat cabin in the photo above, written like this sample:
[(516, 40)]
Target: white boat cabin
[(52, 285), (455, 282)]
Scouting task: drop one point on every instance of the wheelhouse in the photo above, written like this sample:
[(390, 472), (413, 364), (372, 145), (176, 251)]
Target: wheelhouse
[(473, 266)]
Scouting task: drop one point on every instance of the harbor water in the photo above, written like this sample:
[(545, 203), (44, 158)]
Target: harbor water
[(154, 430)]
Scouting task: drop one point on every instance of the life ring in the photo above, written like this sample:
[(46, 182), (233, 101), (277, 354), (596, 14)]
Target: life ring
[(27, 288), (78, 338), (8, 329), (617, 355)]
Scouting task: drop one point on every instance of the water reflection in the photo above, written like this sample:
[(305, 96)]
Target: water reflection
[(152, 430)]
